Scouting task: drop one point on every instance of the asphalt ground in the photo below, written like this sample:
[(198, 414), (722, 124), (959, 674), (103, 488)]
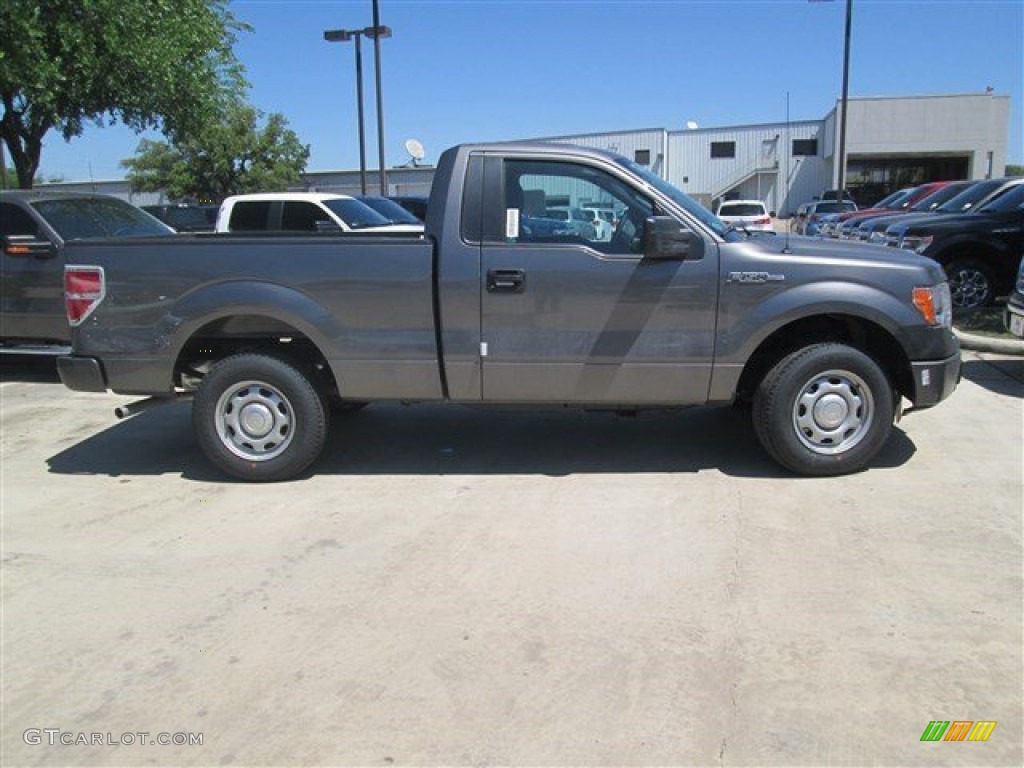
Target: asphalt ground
[(461, 587)]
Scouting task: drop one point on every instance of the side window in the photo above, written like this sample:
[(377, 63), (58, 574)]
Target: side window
[(15, 221), (249, 216), (545, 202), (302, 217)]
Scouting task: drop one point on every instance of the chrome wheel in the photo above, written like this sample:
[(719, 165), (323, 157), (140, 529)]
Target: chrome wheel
[(254, 421), (833, 412)]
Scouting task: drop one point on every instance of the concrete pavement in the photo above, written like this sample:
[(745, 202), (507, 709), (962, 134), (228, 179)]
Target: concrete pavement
[(471, 588)]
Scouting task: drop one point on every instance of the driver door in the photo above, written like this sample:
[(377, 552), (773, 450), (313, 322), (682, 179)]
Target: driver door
[(571, 315)]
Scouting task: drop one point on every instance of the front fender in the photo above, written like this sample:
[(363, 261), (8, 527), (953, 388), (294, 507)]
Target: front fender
[(744, 324)]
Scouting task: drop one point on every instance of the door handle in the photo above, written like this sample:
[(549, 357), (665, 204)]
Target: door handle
[(506, 281)]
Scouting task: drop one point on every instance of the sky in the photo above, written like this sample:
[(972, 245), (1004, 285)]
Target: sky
[(488, 70)]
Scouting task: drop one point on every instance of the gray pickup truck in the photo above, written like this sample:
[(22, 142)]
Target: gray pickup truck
[(673, 308)]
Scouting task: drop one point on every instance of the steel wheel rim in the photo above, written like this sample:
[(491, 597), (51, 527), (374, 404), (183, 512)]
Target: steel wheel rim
[(968, 287), (255, 421), (833, 412)]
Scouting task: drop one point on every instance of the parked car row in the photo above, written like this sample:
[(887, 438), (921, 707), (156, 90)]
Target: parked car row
[(189, 217), (974, 229)]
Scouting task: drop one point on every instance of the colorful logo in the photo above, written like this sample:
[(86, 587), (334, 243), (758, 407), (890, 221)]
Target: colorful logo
[(958, 730)]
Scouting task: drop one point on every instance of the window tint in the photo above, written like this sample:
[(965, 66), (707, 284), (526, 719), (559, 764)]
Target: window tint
[(81, 217), (249, 216), (302, 217), (15, 221), (529, 185), (1012, 200)]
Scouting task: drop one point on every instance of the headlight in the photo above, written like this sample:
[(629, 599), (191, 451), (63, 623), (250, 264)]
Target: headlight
[(935, 304), (917, 243)]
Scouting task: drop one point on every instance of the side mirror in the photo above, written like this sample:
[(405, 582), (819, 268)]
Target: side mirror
[(772, 214), (27, 245), (666, 238)]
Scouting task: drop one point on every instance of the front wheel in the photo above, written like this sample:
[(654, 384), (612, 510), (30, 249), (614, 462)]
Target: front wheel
[(826, 409), (259, 418)]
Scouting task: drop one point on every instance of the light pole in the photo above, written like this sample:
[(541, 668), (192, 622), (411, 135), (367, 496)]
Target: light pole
[(846, 89), (343, 36), (378, 33), (841, 180)]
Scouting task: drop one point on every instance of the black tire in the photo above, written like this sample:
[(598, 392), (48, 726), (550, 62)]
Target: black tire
[(823, 410), (259, 418), (971, 282)]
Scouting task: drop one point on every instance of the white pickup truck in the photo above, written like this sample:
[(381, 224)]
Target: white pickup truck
[(303, 212)]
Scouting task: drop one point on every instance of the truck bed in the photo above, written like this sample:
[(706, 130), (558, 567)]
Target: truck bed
[(365, 301)]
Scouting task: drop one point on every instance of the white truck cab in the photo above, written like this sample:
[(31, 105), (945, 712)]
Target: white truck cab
[(302, 212)]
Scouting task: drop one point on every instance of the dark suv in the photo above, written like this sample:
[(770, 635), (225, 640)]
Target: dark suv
[(979, 250)]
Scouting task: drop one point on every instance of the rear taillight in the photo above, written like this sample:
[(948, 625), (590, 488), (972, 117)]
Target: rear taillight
[(765, 220), (84, 289)]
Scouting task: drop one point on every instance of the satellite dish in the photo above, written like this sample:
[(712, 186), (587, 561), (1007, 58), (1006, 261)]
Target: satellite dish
[(691, 125), (415, 150)]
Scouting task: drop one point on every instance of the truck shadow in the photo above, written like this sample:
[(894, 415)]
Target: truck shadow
[(28, 368), (447, 440), (1004, 376)]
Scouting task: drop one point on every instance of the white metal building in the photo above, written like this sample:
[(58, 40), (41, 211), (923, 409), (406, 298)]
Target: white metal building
[(891, 142)]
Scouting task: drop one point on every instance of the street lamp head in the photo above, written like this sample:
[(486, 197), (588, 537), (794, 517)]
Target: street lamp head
[(381, 32), (339, 35)]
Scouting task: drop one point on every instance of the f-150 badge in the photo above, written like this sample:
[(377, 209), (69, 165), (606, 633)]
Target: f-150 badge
[(754, 277)]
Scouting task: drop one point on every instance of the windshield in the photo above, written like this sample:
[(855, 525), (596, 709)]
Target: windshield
[(390, 210), (356, 214), (684, 201), (75, 218), (896, 200), (967, 198), (938, 197), (834, 207), (1011, 201), (886, 202)]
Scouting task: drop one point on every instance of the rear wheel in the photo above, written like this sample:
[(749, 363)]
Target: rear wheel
[(826, 409), (971, 283), (259, 418)]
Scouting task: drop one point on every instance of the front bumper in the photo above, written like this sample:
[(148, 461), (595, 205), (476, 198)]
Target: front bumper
[(82, 374), (934, 380), (1013, 316)]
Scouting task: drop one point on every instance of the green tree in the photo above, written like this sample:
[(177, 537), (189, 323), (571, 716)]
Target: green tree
[(1015, 170), (230, 156), (150, 64)]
